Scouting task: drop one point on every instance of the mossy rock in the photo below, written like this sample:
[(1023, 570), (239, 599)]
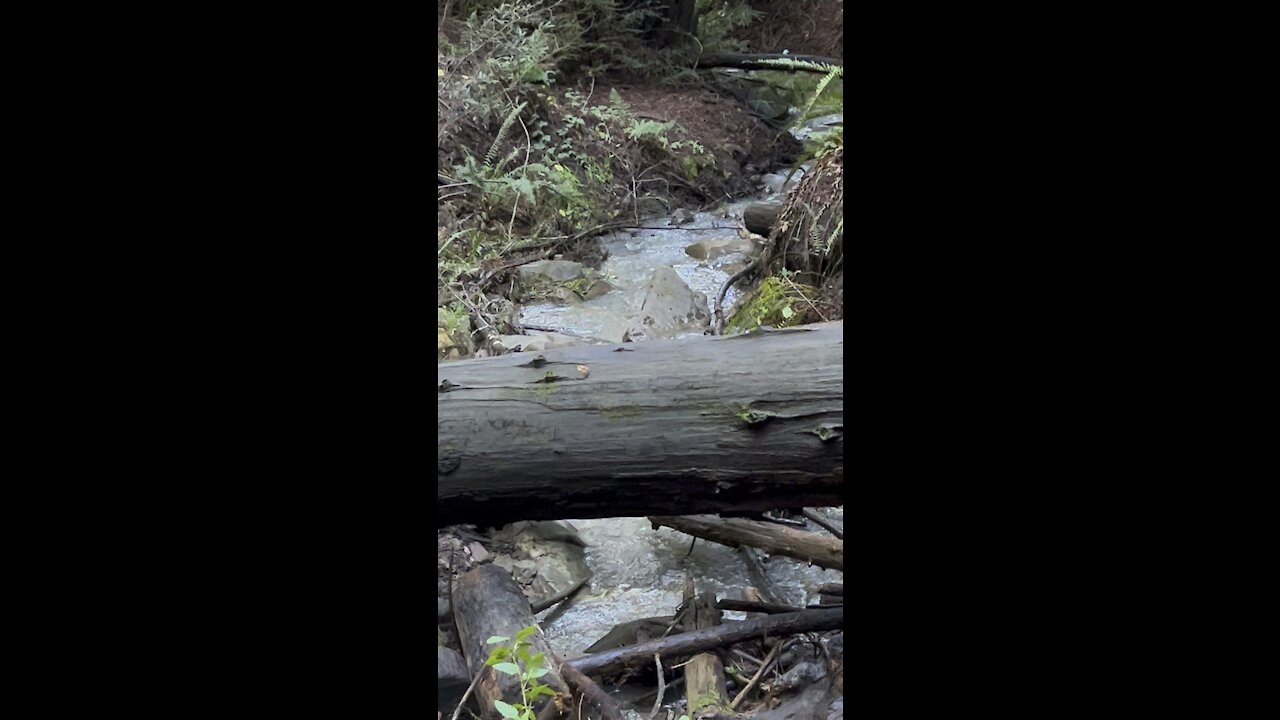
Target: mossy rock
[(775, 303)]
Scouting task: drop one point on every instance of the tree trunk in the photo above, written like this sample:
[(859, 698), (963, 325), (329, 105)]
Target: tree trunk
[(748, 422), (760, 217), (823, 551)]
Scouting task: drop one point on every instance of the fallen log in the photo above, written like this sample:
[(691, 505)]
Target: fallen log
[(760, 217), (759, 61), (690, 643), (748, 422), (487, 602), (823, 551)]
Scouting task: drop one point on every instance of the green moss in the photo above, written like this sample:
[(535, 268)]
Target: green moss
[(775, 303), (619, 413)]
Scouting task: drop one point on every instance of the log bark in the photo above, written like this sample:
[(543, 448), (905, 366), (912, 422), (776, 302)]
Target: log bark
[(823, 551), (678, 646), (748, 422), (487, 602), (760, 217), (753, 61)]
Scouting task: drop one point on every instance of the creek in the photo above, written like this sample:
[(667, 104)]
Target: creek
[(639, 572)]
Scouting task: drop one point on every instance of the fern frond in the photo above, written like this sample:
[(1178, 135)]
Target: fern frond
[(822, 85), (789, 64), (502, 133)]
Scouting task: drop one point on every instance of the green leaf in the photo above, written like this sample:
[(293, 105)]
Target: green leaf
[(541, 691), (496, 639), (787, 312), (506, 710), (525, 633), (508, 668), (537, 673)]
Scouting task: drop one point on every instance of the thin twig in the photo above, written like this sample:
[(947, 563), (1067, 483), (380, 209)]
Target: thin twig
[(724, 290), (755, 680), (467, 694), (662, 686)]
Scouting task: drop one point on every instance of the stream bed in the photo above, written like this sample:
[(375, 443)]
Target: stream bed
[(639, 572)]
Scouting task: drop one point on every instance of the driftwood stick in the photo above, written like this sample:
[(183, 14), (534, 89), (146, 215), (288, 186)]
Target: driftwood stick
[(755, 680), (824, 523), (691, 643), (831, 589), (822, 551), (662, 687), (584, 685)]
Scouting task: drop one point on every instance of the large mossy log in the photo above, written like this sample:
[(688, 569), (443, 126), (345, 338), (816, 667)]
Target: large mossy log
[(749, 422)]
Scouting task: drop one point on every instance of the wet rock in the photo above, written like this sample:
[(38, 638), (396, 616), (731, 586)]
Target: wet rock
[(669, 309), (478, 553), (681, 217), (598, 288), (554, 270), (554, 531), (452, 678), (719, 247), (615, 329), (555, 551), (778, 184)]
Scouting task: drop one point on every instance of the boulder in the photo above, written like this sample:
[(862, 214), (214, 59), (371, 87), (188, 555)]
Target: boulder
[(719, 247), (669, 308), (553, 270)]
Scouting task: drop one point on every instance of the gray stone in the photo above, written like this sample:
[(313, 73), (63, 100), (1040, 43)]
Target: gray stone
[(719, 247), (554, 270), (670, 308)]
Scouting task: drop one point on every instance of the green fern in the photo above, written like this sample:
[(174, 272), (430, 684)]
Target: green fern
[(822, 85), (502, 133)]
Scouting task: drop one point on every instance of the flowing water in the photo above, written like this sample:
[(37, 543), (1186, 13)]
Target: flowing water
[(639, 572), (634, 253)]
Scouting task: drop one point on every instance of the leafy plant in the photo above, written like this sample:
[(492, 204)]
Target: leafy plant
[(518, 660)]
